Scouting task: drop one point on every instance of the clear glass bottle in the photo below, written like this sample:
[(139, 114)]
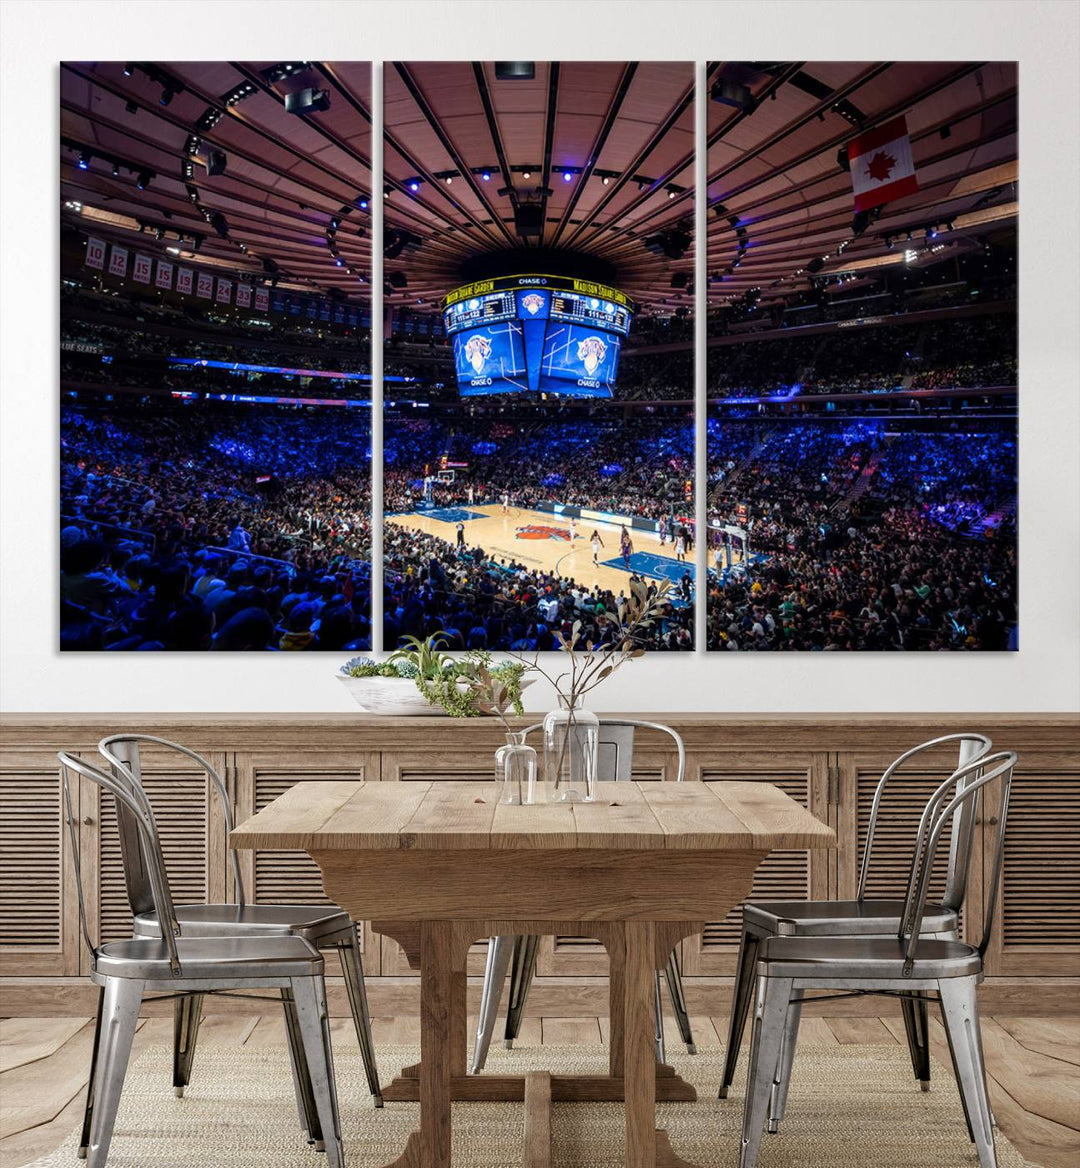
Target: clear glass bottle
[(515, 770), (571, 738)]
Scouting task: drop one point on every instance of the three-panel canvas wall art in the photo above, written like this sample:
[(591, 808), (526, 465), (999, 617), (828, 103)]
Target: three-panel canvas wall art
[(787, 400)]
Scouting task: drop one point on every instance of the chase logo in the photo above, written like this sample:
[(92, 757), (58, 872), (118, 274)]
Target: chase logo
[(591, 352), (477, 351), (532, 303), (537, 531)]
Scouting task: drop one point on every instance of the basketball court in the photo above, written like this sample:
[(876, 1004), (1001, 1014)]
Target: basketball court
[(541, 540)]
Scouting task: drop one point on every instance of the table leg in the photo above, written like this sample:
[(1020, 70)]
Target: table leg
[(639, 1051)]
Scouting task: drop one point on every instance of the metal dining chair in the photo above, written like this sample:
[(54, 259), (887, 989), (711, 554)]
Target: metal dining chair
[(862, 916), (615, 756), (170, 964), (906, 964), (323, 926)]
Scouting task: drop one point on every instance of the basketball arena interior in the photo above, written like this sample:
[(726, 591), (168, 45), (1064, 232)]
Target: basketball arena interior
[(538, 393)]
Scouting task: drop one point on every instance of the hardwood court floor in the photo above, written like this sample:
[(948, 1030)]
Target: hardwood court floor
[(540, 540), (1034, 1067)]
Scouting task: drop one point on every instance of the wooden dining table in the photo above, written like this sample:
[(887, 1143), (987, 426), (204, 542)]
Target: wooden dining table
[(440, 865)]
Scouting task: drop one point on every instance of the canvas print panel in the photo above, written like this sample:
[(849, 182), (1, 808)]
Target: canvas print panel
[(862, 356), (539, 444), (215, 356)]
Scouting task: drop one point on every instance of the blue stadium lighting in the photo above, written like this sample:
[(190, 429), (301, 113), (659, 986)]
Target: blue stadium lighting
[(414, 186), (567, 176), (486, 176), (363, 204), (84, 160), (340, 263)]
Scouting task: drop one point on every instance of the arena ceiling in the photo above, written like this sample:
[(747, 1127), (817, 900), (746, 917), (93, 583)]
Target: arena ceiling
[(600, 154), (779, 199), (296, 188)]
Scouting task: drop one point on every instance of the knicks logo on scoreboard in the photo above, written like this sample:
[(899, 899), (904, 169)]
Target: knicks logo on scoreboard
[(537, 531), (591, 352), (533, 303), (477, 351)]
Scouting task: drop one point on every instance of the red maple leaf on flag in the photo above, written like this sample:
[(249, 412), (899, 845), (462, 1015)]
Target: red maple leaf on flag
[(880, 166)]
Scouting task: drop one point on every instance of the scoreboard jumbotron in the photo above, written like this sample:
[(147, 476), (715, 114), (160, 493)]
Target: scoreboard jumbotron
[(539, 334)]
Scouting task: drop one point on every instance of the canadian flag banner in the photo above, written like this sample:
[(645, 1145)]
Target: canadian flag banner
[(882, 168), (144, 265), (243, 295), (205, 286), (95, 253), (164, 274), (184, 277), (224, 291), (262, 299), (118, 258)]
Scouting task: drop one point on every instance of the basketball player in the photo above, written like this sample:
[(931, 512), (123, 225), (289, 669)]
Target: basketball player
[(573, 529), (472, 495), (506, 502), (460, 534), (680, 546), (597, 544), (663, 529), (626, 547)]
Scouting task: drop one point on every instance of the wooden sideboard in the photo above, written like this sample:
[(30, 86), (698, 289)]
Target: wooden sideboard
[(830, 763)]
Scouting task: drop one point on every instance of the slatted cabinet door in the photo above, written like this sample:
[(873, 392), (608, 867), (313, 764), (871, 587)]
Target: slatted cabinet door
[(858, 774), (39, 929), (1037, 926), (291, 877), (192, 833), (795, 875)]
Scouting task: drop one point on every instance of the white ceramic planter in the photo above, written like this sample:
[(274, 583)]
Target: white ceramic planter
[(395, 696)]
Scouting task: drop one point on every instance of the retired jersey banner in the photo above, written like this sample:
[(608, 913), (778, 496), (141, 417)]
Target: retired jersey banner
[(184, 277), (205, 286), (882, 168), (164, 274), (95, 253), (243, 295), (262, 299), (143, 268), (118, 258), (224, 291)]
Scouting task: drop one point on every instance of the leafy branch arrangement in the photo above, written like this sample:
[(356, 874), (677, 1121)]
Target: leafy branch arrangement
[(597, 662), (465, 687)]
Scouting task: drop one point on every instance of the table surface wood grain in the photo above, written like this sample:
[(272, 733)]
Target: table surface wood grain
[(458, 815)]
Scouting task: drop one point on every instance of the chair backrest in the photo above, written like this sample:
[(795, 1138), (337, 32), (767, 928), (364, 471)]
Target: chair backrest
[(121, 752), (615, 747), (129, 795), (971, 747), (960, 793)]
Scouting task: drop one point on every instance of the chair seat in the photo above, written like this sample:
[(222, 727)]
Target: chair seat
[(874, 958), (839, 918), (211, 957), (313, 922)]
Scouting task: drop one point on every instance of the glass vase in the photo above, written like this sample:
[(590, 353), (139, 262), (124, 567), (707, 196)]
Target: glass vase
[(571, 738), (515, 771)]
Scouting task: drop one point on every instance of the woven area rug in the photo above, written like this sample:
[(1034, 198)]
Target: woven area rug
[(849, 1107)]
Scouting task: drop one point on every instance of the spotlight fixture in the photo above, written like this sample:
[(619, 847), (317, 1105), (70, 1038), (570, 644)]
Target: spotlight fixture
[(144, 179), (449, 179), (84, 160), (363, 204), (931, 233), (166, 96), (340, 262), (606, 179), (732, 93), (307, 101), (219, 223), (515, 70), (116, 170), (129, 68), (567, 176), (215, 162), (671, 192), (131, 107), (486, 176), (414, 185), (526, 174)]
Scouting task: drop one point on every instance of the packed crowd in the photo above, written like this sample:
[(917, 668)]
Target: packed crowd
[(481, 602), (215, 528), (862, 540), (632, 467)]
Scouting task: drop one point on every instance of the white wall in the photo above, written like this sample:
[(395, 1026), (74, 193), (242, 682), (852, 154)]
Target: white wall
[(1043, 675)]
